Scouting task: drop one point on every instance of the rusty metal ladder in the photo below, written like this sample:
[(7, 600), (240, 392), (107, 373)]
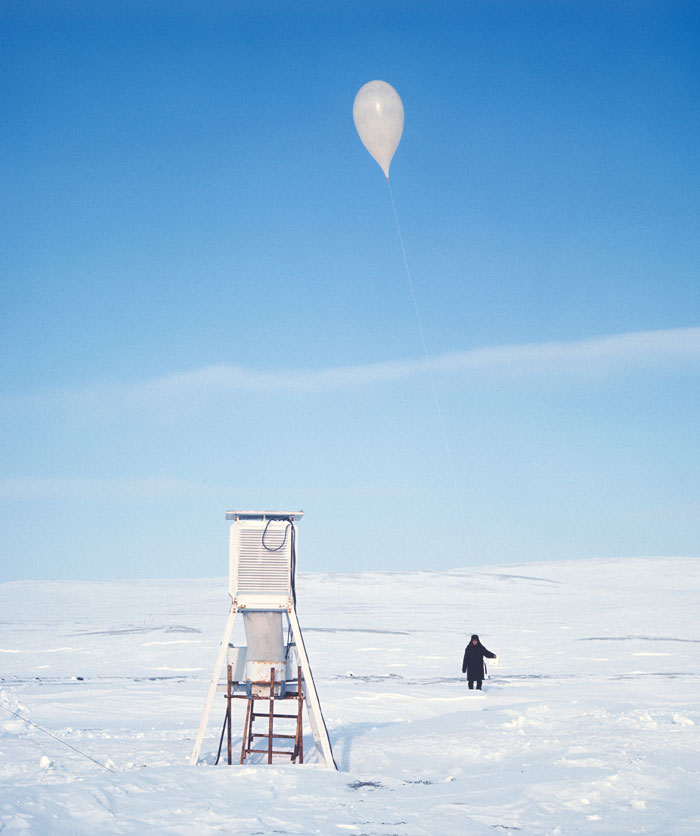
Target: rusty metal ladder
[(248, 743)]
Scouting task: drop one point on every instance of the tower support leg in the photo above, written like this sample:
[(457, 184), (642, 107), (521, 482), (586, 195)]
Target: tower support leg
[(220, 659), (313, 705)]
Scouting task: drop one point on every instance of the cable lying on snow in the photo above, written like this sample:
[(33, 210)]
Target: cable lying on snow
[(51, 734)]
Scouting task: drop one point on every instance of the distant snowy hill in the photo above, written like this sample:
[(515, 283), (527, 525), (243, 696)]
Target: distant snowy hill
[(590, 722)]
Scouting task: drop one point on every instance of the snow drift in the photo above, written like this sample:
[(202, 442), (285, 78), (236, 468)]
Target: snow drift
[(589, 724)]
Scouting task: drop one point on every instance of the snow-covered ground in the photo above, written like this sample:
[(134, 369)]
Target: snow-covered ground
[(590, 723)]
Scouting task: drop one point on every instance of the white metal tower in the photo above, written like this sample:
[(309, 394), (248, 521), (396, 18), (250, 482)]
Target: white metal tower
[(262, 586)]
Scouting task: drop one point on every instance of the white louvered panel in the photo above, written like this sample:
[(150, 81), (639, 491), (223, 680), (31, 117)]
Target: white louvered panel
[(257, 576), (261, 575)]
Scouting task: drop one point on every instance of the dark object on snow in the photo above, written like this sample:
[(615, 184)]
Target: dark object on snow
[(473, 662)]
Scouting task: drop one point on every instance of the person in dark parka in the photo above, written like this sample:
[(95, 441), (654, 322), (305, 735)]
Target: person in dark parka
[(473, 662)]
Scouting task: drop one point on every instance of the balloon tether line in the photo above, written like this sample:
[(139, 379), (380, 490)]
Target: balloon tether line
[(438, 408)]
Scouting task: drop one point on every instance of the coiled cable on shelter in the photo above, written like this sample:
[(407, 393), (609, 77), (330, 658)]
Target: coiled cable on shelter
[(293, 551)]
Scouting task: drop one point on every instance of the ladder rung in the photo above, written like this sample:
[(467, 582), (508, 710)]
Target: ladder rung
[(267, 736), (274, 752), (288, 695), (281, 716)]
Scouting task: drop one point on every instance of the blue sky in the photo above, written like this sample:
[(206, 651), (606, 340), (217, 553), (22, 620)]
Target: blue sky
[(205, 305)]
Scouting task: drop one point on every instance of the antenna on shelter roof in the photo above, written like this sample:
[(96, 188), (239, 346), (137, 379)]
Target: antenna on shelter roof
[(262, 585)]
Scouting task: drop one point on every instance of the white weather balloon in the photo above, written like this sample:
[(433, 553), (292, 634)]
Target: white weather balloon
[(378, 115)]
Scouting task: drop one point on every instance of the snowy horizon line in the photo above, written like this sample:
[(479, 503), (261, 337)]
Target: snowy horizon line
[(495, 569)]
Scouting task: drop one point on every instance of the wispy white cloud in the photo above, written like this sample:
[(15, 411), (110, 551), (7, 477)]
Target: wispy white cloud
[(602, 355), (50, 488), (225, 377), (82, 489), (664, 350), (653, 351), (639, 351)]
